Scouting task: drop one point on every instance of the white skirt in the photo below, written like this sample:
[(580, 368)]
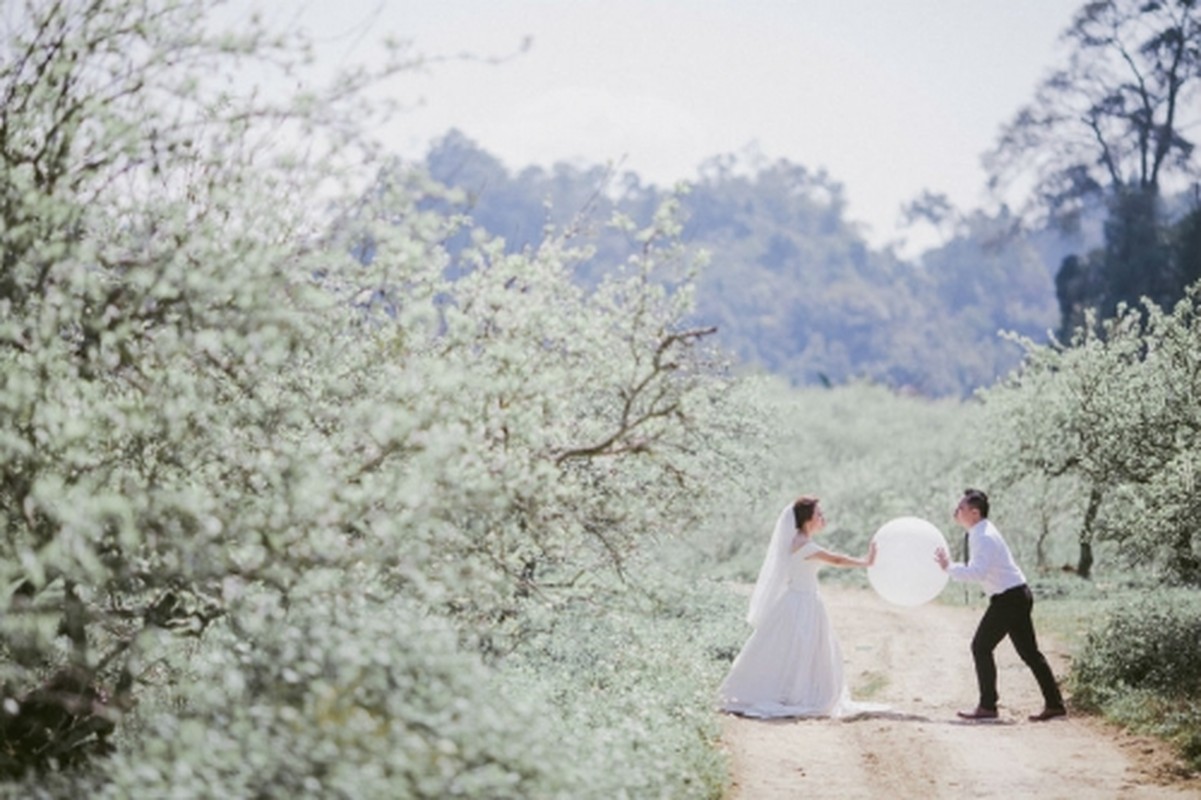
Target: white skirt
[(791, 666)]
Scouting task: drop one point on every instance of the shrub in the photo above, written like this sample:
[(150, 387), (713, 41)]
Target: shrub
[(1152, 643), (1140, 667)]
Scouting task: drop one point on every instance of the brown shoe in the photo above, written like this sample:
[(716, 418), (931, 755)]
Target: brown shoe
[(979, 712), (1048, 713)]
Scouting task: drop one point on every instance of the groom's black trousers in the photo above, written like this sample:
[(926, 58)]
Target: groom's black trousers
[(1008, 614)]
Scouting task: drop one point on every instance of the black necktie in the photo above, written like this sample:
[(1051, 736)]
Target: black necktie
[(967, 557)]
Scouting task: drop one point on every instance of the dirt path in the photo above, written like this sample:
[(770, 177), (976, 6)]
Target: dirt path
[(917, 661)]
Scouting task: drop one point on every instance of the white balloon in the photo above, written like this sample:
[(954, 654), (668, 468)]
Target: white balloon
[(905, 572)]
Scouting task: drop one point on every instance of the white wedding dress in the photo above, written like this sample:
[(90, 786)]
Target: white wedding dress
[(791, 666)]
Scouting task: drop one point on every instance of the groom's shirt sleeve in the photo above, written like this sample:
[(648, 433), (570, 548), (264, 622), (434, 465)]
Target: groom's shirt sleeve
[(983, 554)]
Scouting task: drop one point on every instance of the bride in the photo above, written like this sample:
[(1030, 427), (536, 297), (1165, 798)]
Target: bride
[(791, 666)]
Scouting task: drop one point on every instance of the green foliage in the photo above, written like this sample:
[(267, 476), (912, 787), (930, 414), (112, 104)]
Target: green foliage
[(1186, 243), (633, 677), (1113, 421), (1151, 643), (298, 702), (1139, 666), (1136, 261), (287, 505), (1146, 254)]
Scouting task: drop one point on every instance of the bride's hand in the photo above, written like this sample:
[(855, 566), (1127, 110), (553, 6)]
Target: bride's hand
[(871, 553)]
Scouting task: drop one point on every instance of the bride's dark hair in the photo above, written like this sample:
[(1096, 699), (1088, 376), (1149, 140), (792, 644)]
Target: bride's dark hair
[(803, 510)]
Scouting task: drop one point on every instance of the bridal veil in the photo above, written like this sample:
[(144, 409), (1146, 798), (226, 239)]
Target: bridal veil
[(773, 575)]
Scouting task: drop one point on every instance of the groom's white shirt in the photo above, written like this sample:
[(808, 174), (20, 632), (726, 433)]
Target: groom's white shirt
[(989, 561)]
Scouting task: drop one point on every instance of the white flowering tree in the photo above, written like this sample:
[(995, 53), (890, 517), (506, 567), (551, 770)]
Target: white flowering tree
[(1112, 421), (275, 491)]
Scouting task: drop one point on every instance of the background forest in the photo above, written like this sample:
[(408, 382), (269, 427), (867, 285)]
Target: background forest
[(795, 289), (326, 474)]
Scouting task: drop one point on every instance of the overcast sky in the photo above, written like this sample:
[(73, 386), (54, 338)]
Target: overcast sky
[(890, 97)]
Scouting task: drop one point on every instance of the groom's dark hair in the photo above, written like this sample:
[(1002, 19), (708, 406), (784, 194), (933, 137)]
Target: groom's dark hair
[(977, 500), (803, 510)]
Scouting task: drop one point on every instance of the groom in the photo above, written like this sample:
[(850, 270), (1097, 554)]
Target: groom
[(990, 563)]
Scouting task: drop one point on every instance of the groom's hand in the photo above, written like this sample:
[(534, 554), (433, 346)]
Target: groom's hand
[(940, 555)]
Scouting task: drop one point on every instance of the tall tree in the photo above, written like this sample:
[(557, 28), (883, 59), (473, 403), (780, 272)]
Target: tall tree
[(1111, 126)]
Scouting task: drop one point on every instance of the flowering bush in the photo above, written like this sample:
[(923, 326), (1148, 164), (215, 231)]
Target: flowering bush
[(290, 506), (1139, 666)]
